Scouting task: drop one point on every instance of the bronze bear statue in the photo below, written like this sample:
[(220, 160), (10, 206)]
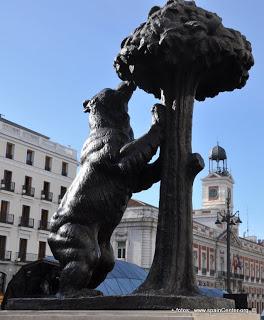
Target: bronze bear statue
[(113, 166)]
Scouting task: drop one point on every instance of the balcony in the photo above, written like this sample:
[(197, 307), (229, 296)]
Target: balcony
[(64, 173), (46, 195), (204, 271), (252, 279), (60, 197), (5, 255), (223, 274), (7, 185), (44, 225), (29, 162), (7, 218), (26, 222), (9, 155), (195, 269), (212, 272), (238, 276), (28, 191), (25, 257)]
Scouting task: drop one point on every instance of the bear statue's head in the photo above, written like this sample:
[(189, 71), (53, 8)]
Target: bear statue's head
[(109, 108)]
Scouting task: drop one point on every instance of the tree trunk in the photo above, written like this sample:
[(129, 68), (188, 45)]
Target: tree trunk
[(172, 268)]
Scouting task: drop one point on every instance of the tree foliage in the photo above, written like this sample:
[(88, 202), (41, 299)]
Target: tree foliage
[(181, 37)]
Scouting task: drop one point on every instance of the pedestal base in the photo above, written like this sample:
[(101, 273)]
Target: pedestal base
[(130, 302), (123, 315)]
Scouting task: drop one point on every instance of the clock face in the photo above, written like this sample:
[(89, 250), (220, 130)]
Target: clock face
[(213, 193)]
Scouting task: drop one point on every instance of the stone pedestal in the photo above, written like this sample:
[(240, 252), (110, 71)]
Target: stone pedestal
[(129, 302), (122, 315)]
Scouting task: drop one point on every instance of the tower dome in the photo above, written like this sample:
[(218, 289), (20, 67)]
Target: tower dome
[(218, 154)]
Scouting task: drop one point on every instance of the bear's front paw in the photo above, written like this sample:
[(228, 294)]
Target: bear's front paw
[(159, 114)]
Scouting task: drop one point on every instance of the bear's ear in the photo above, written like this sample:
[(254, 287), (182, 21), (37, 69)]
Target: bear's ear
[(86, 107)]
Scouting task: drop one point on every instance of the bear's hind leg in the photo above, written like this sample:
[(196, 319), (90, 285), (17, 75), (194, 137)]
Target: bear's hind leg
[(77, 249), (107, 259)]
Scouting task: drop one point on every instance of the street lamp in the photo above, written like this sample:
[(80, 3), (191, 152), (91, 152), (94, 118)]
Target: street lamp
[(230, 219)]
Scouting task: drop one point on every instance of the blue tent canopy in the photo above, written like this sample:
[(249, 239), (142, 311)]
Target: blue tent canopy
[(123, 279), (126, 277)]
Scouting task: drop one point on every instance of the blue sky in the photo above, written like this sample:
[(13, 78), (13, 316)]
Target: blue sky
[(55, 54)]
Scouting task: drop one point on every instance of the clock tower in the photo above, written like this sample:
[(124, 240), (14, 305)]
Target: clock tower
[(218, 183)]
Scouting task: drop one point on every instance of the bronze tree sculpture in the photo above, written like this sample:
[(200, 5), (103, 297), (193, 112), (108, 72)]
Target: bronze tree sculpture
[(113, 166), (179, 54)]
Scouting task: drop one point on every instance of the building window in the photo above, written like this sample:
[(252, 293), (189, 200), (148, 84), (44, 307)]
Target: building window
[(2, 247), (64, 169), (62, 193), (25, 221), (42, 250), (247, 269), (213, 193), (262, 274), (121, 249), (22, 254), (204, 270), (30, 157), (212, 263), (195, 258), (5, 217), (257, 272), (10, 147), (7, 183), (4, 210), (45, 193), (2, 283), (222, 264), (43, 223), (48, 163), (229, 194), (252, 271), (195, 261), (27, 187)]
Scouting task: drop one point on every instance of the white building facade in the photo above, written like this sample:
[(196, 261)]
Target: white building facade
[(35, 173), (134, 238)]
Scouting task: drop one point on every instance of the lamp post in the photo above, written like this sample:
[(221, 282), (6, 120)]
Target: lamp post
[(230, 219)]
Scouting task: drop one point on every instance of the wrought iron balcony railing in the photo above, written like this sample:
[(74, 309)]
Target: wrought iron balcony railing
[(204, 271), (5, 255), (212, 272), (26, 222), (48, 196), (223, 274), (25, 257), (28, 191), (29, 162), (7, 218), (7, 185), (44, 225), (9, 155)]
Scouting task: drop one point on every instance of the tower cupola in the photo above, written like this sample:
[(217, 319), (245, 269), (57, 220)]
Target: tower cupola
[(218, 160)]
